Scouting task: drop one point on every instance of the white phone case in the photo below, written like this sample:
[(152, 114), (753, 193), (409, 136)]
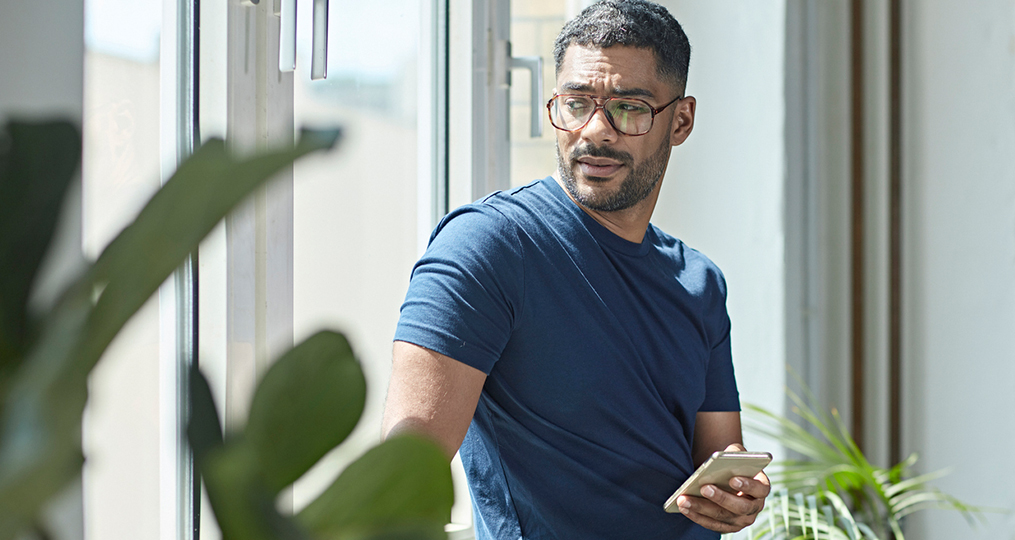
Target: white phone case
[(718, 470)]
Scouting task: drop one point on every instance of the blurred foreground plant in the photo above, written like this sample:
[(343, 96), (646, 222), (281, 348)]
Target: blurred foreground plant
[(307, 403), (834, 492)]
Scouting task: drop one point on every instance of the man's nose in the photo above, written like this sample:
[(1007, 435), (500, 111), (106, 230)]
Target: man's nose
[(599, 129)]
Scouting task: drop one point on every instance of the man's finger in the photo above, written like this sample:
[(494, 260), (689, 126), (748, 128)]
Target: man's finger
[(711, 515), (733, 504), (751, 487), (711, 523)]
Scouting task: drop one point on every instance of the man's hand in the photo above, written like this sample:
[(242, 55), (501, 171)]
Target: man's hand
[(724, 512)]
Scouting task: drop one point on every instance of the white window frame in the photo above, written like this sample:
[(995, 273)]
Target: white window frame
[(178, 507)]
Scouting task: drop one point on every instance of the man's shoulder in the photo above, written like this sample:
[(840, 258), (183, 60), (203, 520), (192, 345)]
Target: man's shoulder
[(512, 207), (535, 194), (693, 264)]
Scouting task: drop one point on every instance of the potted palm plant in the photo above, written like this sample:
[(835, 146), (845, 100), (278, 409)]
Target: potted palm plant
[(832, 491)]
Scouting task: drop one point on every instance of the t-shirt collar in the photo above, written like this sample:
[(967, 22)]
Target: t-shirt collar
[(604, 236)]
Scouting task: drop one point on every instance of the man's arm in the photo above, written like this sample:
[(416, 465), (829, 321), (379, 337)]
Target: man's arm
[(718, 510), (431, 394)]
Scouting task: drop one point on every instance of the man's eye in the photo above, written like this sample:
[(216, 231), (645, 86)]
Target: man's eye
[(631, 107), (575, 104)]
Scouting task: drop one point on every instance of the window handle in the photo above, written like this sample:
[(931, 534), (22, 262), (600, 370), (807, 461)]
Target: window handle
[(535, 66), (319, 55), (287, 39)]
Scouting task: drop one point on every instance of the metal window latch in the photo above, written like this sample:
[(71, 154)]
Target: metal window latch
[(287, 39), (535, 66)]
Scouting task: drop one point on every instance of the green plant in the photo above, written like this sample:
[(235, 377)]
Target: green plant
[(307, 403), (834, 492)]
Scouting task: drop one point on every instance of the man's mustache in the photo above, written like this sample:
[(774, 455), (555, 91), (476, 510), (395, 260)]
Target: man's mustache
[(601, 151)]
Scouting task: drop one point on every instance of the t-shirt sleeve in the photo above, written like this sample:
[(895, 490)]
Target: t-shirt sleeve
[(721, 392), (465, 291)]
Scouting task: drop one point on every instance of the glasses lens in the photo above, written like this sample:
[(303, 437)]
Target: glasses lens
[(630, 116), (571, 112)]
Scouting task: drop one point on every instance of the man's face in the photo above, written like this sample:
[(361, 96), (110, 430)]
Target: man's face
[(601, 168)]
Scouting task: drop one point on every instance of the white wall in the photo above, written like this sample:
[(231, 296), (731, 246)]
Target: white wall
[(959, 254), (43, 45), (723, 193)]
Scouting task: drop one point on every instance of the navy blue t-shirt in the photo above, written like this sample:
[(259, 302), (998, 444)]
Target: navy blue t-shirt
[(599, 353)]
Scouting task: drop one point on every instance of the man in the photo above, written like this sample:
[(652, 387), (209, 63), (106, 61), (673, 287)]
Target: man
[(578, 356)]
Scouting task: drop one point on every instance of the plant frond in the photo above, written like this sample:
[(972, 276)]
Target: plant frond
[(917, 482), (834, 491)]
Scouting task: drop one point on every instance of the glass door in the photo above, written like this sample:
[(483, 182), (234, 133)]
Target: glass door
[(330, 243), (356, 210), (137, 125), (534, 27), (498, 129)]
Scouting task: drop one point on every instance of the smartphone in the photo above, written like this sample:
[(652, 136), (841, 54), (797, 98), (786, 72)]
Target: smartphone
[(718, 471)]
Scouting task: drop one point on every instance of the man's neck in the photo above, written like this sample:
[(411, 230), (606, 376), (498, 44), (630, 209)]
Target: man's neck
[(629, 223)]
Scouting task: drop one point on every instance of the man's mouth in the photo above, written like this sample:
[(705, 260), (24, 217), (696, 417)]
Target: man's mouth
[(599, 161), (601, 167)]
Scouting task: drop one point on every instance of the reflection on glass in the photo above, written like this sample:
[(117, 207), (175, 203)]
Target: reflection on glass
[(120, 171)]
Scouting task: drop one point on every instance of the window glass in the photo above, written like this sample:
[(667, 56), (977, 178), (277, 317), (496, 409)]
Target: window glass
[(355, 209), (120, 171), (534, 26)]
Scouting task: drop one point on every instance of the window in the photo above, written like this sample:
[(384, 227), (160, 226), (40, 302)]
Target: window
[(120, 171), (421, 90)]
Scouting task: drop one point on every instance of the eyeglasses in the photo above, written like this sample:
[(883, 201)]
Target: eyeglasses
[(571, 112)]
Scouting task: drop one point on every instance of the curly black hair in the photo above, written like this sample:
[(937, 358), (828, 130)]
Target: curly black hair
[(634, 23)]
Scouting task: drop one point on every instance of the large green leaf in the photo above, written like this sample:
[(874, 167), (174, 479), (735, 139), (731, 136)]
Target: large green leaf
[(244, 506), (40, 431), (401, 488), (41, 422), (37, 163), (201, 192), (204, 429), (307, 403)]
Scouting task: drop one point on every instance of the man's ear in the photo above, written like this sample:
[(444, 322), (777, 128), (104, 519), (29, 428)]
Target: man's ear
[(683, 120)]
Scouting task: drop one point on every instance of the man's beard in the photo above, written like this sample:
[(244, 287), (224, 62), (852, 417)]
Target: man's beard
[(635, 188)]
